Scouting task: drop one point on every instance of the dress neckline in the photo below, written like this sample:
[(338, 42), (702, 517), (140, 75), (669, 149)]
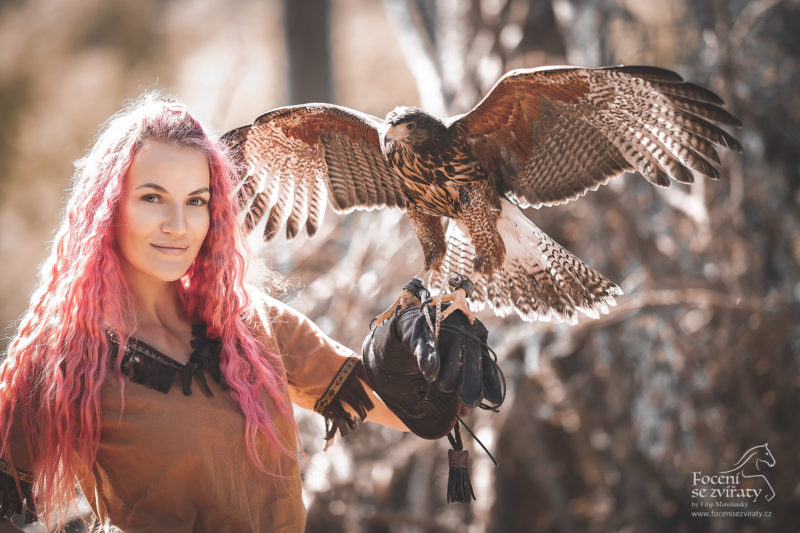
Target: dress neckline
[(147, 365), (150, 351)]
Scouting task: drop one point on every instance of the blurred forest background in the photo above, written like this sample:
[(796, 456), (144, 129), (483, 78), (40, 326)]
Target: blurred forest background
[(605, 421)]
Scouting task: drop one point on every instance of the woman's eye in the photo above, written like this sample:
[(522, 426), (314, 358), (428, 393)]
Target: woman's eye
[(151, 198), (197, 201)]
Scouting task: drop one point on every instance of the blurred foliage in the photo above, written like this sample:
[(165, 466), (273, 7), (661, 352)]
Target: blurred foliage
[(605, 421)]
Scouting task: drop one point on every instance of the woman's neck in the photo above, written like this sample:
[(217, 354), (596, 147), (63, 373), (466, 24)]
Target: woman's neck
[(155, 302)]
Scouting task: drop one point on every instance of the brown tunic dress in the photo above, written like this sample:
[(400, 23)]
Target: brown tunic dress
[(179, 463)]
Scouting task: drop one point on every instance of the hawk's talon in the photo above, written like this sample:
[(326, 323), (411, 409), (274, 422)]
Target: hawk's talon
[(458, 299), (462, 289), (408, 296)]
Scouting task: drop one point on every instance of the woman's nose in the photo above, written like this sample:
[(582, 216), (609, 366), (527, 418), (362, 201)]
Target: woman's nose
[(175, 221)]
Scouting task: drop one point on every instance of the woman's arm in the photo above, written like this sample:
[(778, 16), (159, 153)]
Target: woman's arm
[(314, 362)]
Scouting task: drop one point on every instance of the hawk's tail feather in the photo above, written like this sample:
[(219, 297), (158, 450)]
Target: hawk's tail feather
[(539, 280)]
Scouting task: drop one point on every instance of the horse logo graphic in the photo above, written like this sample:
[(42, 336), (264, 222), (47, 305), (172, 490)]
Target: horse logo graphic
[(755, 457)]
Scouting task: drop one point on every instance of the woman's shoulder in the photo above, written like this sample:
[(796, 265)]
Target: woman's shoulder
[(275, 321), (273, 310)]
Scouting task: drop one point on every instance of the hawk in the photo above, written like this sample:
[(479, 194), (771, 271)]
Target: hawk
[(540, 137)]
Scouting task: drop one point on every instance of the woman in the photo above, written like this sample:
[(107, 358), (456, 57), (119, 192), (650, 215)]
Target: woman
[(143, 369)]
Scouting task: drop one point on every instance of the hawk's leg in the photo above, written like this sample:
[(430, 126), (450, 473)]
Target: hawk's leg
[(479, 212), (462, 289), (479, 215), (430, 233)]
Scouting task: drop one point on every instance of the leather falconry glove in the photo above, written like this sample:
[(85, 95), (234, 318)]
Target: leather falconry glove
[(428, 384), (424, 382)]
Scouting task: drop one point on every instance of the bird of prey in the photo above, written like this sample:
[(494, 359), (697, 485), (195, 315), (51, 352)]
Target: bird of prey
[(540, 137)]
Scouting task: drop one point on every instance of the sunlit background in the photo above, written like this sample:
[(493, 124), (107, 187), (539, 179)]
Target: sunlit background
[(605, 421)]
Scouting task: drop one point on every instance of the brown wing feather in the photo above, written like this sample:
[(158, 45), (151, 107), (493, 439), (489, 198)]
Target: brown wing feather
[(551, 135), (293, 159)]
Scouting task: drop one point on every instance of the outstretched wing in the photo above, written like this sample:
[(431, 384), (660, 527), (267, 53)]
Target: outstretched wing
[(292, 159), (551, 135)]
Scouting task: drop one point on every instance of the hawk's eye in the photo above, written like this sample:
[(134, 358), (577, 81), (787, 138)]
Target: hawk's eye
[(411, 126)]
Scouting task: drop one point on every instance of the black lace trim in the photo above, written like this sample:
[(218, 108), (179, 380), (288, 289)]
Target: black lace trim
[(12, 502), (145, 365)]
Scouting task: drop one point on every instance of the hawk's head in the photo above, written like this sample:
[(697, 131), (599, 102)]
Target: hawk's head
[(413, 127)]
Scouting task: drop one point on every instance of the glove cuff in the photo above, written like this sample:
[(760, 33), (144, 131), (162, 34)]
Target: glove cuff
[(346, 388)]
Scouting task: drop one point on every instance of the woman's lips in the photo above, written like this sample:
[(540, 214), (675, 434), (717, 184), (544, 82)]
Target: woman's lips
[(169, 249)]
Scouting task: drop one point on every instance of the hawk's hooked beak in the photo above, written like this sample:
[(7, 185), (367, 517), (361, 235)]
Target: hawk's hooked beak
[(393, 133), (388, 135)]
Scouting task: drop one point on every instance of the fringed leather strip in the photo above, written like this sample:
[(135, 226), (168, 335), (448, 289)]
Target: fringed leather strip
[(145, 365), (459, 486), (344, 388), (11, 501)]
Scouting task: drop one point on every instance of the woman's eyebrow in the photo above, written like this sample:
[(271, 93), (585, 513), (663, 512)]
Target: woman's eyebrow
[(151, 186), (162, 189)]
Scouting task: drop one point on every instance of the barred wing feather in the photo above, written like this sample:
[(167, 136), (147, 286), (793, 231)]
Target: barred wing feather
[(292, 160), (552, 134)]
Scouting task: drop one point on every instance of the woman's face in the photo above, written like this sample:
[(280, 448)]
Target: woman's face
[(164, 215)]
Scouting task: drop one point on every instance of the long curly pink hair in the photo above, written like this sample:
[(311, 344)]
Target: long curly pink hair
[(51, 379)]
